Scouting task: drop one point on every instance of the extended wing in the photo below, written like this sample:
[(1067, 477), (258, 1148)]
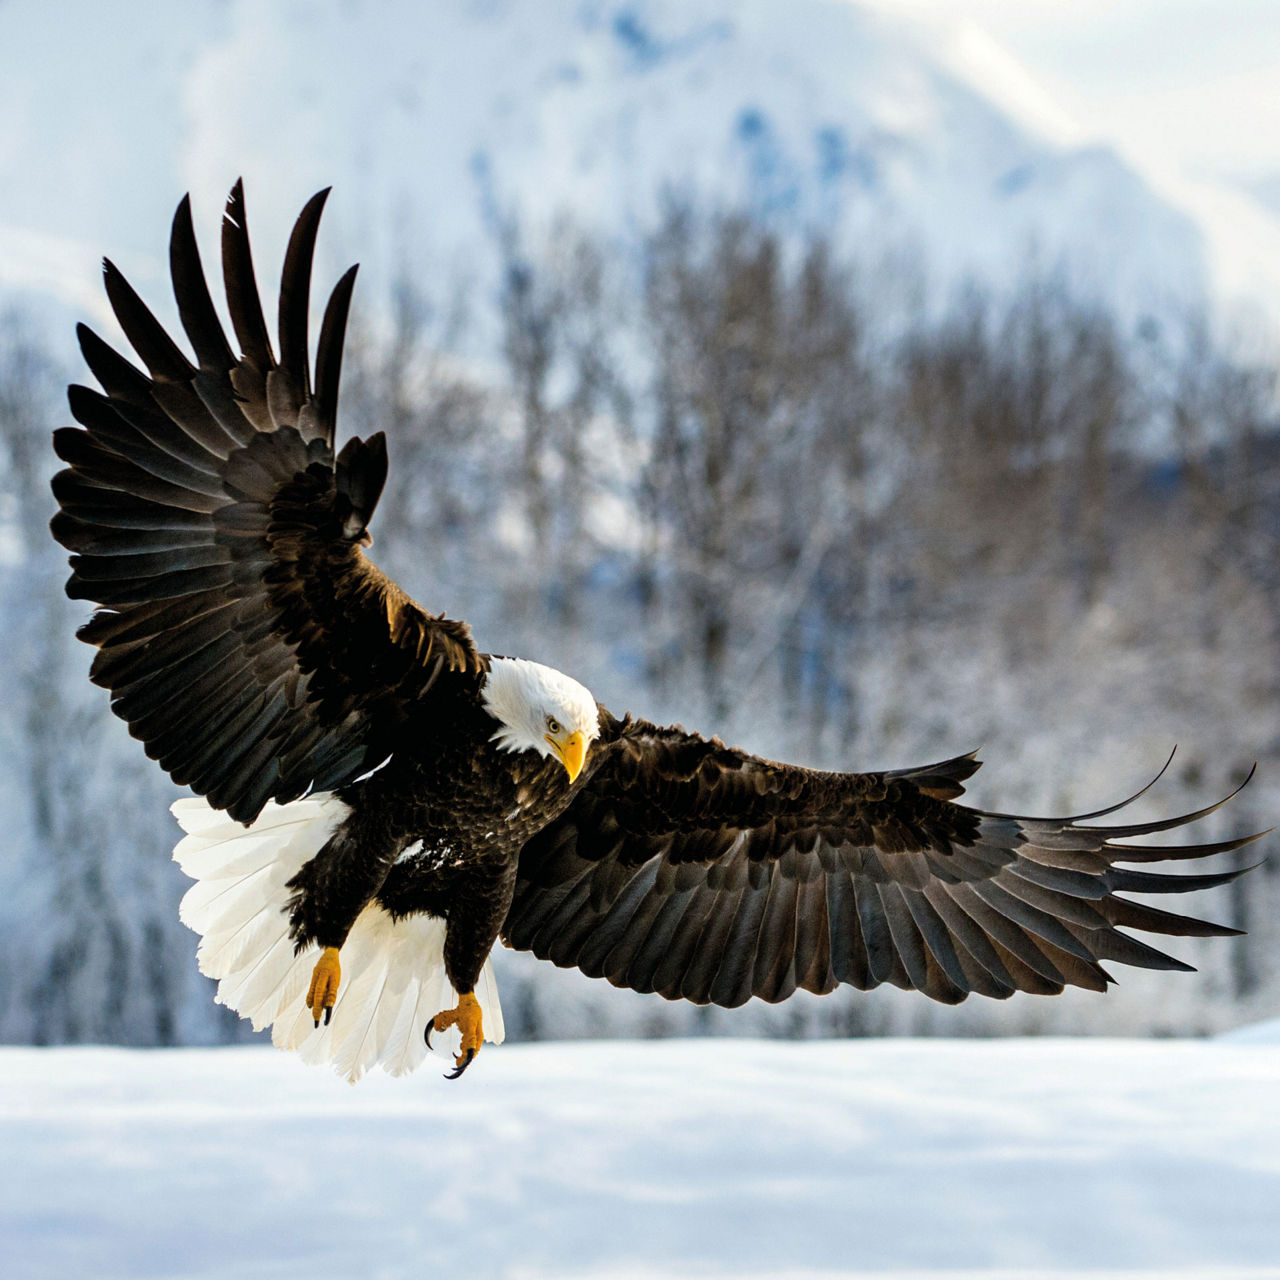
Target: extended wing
[(244, 636), (701, 872)]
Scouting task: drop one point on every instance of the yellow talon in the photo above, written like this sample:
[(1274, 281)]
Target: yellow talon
[(323, 991), (467, 1018)]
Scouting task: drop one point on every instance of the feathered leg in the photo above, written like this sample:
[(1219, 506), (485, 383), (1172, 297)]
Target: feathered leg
[(481, 899)]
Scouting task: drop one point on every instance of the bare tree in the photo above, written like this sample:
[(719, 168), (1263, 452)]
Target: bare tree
[(760, 399), (91, 939)]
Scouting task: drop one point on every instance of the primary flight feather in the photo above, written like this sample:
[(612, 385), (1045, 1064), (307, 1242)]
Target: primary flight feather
[(382, 801)]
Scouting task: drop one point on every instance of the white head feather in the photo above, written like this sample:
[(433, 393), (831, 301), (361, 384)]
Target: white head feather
[(527, 699)]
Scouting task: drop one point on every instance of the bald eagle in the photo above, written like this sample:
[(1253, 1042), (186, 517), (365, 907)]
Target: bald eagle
[(379, 802)]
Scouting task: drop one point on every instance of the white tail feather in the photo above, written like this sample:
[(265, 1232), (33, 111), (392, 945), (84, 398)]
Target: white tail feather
[(393, 975)]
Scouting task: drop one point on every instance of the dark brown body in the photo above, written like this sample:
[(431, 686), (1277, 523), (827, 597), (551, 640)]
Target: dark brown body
[(463, 807)]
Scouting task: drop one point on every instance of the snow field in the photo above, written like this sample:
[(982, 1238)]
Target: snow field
[(953, 1160)]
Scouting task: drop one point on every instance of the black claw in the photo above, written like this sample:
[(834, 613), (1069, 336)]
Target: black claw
[(328, 1013), (462, 1066), (317, 1022), (426, 1035)]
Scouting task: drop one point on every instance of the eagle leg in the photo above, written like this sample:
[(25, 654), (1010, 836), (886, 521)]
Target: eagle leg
[(323, 992), (465, 1015)]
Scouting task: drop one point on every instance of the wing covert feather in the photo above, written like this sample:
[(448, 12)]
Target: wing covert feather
[(704, 873), (242, 633)]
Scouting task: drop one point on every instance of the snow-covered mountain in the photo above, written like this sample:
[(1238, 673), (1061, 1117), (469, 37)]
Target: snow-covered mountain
[(435, 122)]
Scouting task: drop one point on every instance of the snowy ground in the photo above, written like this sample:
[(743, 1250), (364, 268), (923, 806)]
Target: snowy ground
[(1023, 1159)]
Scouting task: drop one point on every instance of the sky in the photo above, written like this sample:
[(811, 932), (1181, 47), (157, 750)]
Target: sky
[(1187, 92), (1188, 85)]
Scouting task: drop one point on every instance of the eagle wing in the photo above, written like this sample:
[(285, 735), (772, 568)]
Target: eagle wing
[(243, 635), (704, 873)]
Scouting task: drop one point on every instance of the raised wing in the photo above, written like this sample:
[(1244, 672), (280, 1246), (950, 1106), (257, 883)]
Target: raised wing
[(703, 873), (244, 636)]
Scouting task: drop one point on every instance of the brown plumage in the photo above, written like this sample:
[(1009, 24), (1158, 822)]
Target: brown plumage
[(245, 638), (703, 873), (260, 657)]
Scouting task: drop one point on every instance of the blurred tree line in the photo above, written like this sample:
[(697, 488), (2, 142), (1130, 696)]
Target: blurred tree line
[(720, 484)]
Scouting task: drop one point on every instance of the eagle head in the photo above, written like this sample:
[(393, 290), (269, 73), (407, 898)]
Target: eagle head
[(540, 709)]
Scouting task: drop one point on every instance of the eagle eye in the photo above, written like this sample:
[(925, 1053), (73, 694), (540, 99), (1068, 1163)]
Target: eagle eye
[(553, 725)]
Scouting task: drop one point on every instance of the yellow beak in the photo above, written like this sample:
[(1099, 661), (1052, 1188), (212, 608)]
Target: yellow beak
[(571, 749)]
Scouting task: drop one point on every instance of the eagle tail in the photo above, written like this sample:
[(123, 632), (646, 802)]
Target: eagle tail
[(394, 977)]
